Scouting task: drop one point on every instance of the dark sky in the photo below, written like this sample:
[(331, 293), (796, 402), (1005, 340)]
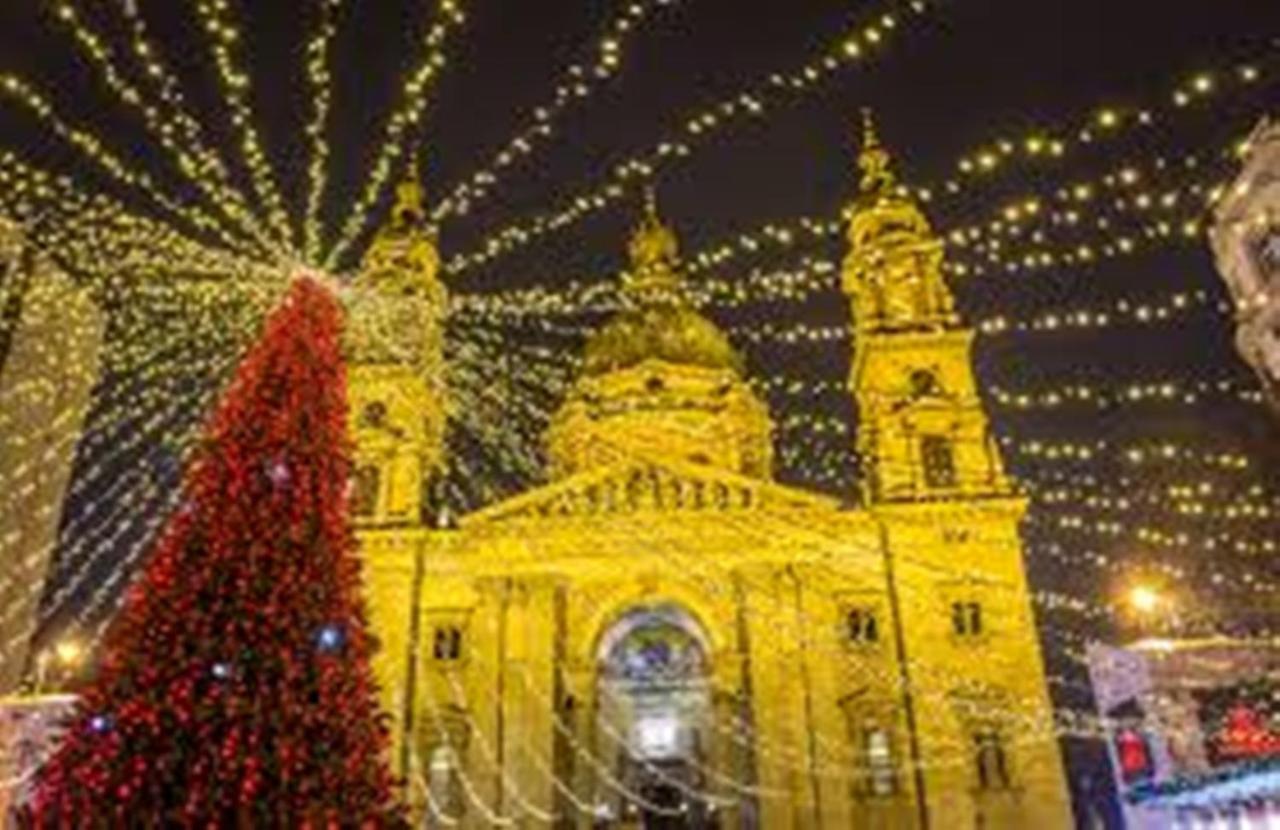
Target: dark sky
[(974, 70)]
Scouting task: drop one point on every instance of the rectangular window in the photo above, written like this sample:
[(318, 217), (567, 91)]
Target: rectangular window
[(861, 626), (938, 458), (365, 482), (966, 619), (878, 757), (989, 757), (446, 643)]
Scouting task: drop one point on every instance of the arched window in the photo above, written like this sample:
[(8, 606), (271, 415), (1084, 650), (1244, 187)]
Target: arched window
[(937, 456), (446, 643), (966, 618), (990, 759), (365, 482), (924, 383), (861, 626), (877, 757), (445, 803)]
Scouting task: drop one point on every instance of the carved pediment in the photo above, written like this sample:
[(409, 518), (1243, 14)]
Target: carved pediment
[(635, 486)]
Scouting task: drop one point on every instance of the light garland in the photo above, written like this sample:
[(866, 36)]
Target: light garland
[(399, 128), (217, 21), (19, 91), (854, 45), (578, 85), (200, 166), (320, 79)]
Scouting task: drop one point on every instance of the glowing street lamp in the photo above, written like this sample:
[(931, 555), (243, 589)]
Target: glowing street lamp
[(68, 653), (1144, 599)]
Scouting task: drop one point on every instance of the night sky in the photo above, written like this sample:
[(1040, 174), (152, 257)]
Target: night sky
[(973, 71)]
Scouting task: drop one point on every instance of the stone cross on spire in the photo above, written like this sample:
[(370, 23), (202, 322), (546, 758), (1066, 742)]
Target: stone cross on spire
[(874, 160), (409, 208), (654, 251)]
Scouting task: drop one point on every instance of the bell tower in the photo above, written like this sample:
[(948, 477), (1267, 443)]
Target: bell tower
[(922, 432), (395, 355), (978, 714)]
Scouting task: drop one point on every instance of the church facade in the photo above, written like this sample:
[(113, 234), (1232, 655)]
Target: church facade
[(662, 635)]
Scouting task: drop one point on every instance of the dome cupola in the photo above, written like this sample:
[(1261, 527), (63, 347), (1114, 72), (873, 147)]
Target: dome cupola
[(660, 378)]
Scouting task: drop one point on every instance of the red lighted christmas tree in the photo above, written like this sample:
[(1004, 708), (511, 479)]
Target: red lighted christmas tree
[(235, 689)]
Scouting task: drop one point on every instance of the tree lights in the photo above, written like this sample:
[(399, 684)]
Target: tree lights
[(215, 689)]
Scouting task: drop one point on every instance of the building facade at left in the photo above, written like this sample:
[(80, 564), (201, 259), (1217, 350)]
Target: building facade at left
[(50, 340)]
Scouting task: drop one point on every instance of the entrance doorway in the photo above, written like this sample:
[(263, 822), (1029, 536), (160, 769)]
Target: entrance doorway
[(655, 719)]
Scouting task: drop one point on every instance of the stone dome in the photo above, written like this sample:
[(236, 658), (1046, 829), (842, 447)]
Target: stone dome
[(672, 333)]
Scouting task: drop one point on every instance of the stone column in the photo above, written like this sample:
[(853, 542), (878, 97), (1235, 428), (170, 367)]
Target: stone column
[(529, 698), (487, 676)]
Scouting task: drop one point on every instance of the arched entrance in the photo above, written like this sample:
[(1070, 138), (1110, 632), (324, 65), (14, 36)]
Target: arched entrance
[(656, 719)]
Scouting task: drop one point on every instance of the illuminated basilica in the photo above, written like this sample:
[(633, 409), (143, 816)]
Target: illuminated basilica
[(662, 635)]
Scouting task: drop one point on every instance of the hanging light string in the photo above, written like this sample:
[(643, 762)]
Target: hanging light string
[(95, 234), (17, 90), (400, 127), (576, 86), (225, 37), (753, 102), (320, 79), (199, 166), (1170, 214), (1109, 124), (643, 167)]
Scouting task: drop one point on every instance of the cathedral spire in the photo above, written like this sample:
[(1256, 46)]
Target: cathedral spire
[(409, 210), (653, 278), (874, 160), (893, 272)]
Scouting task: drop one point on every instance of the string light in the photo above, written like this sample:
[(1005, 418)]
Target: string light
[(320, 78), (216, 19), (399, 128), (578, 85), (859, 42), (18, 90), (197, 164)]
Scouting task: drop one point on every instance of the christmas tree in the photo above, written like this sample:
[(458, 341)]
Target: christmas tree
[(235, 690)]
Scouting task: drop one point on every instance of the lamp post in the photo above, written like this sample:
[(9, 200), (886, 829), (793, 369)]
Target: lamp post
[(65, 655), (1150, 609), (1144, 599)]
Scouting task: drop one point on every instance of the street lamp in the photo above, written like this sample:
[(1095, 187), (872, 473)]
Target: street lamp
[(1145, 599), (67, 654)]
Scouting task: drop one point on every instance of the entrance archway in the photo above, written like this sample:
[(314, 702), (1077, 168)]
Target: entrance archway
[(656, 717)]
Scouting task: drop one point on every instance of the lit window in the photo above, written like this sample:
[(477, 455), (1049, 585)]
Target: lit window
[(924, 383), (878, 757), (364, 490), (861, 626), (447, 643), (966, 619), (939, 462), (374, 414), (445, 792), (1134, 755), (989, 756)]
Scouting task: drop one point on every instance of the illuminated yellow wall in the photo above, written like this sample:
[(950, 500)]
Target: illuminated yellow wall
[(493, 631)]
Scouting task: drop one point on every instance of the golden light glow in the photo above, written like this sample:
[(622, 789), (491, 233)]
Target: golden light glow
[(1145, 599), (69, 652)]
